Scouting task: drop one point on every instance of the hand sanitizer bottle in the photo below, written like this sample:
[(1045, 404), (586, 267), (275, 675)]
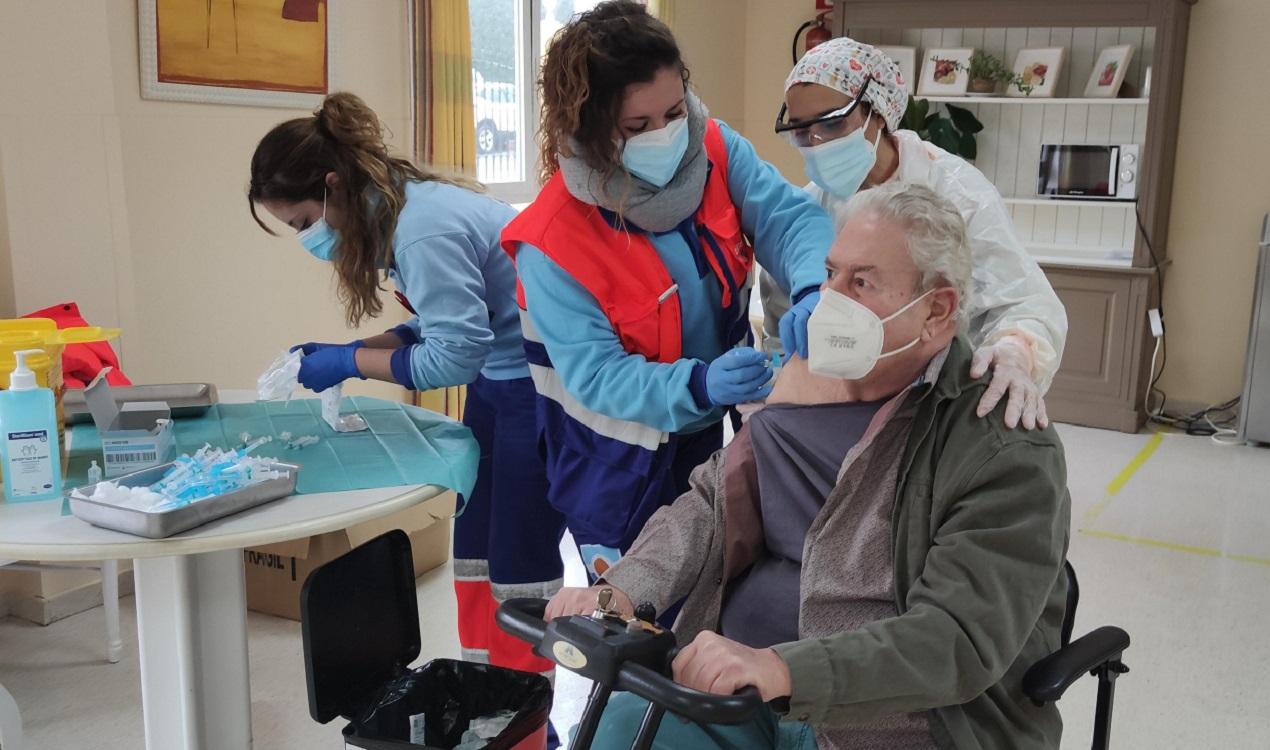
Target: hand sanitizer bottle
[(28, 437)]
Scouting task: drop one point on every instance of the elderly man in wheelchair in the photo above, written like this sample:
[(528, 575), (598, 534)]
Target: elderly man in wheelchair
[(881, 563)]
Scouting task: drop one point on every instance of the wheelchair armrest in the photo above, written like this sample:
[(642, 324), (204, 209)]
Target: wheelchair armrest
[(1050, 677)]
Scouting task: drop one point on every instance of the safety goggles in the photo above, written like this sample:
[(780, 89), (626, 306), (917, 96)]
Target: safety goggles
[(821, 129)]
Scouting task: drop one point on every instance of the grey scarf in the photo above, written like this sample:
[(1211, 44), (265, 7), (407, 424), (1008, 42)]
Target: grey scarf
[(646, 206)]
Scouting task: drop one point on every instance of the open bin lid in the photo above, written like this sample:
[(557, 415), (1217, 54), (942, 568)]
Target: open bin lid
[(360, 620)]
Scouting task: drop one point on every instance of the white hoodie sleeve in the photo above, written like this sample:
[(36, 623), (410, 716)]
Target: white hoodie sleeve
[(1011, 295)]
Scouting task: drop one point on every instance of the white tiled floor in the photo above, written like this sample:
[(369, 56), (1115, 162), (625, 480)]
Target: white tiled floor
[(1178, 555)]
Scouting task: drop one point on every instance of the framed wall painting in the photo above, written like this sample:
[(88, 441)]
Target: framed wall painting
[(1109, 71), (1039, 68), (945, 72), (267, 53), (906, 59)]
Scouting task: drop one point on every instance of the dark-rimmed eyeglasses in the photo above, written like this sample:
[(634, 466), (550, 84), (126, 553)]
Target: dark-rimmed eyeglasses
[(820, 129)]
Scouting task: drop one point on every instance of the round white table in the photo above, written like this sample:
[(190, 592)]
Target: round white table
[(191, 600)]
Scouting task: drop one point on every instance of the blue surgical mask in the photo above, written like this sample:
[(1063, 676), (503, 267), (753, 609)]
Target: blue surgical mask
[(318, 238), (654, 156), (840, 166)]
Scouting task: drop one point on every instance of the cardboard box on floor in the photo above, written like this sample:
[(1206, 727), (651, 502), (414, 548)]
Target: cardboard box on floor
[(276, 572)]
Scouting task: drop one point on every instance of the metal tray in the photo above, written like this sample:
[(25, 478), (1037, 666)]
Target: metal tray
[(185, 399), (157, 525)]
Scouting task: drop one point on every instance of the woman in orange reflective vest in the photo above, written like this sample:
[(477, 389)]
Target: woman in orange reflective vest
[(634, 266)]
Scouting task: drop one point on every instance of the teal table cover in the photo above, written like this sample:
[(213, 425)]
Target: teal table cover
[(405, 445)]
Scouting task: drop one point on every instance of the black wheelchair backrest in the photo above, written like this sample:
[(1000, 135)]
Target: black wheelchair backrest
[(1073, 598)]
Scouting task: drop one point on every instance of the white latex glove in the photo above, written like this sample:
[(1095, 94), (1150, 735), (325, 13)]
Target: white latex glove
[(1010, 359)]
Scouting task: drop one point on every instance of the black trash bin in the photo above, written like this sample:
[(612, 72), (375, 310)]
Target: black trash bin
[(360, 621)]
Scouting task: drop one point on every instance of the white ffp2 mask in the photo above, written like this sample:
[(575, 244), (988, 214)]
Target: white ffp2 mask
[(654, 156), (844, 338)]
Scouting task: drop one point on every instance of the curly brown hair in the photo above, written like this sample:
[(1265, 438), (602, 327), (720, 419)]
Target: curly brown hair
[(588, 66), (343, 136)]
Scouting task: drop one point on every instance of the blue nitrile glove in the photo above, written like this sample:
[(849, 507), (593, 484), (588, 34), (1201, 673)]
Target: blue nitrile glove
[(310, 347), (329, 367), (794, 325), (738, 376)]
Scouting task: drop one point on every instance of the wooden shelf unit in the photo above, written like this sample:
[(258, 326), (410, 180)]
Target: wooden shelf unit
[(1107, 357), (1029, 100)]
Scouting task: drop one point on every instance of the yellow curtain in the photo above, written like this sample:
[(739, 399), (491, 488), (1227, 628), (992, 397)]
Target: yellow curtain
[(452, 146), (445, 124), (447, 401)]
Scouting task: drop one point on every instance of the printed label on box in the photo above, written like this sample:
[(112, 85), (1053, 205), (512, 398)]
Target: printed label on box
[(30, 469), (123, 456)]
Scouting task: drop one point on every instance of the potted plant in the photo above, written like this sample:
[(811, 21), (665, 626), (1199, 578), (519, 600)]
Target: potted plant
[(954, 134), (987, 70)]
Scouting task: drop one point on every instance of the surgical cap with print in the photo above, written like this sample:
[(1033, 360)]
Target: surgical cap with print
[(844, 64)]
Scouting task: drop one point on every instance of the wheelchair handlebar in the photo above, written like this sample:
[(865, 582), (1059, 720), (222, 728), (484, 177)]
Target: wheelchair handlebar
[(703, 708), (522, 618)]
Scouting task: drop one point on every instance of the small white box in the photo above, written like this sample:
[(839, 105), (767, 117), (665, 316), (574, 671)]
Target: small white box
[(136, 436)]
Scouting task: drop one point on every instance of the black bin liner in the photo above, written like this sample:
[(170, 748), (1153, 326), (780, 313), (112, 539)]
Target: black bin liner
[(451, 694)]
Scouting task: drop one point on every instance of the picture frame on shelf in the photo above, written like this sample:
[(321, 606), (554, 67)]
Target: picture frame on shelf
[(1040, 68), (212, 53), (906, 59), (1109, 71), (945, 71)]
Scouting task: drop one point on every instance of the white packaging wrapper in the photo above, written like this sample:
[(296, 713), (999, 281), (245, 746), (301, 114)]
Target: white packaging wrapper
[(280, 379), (331, 412)]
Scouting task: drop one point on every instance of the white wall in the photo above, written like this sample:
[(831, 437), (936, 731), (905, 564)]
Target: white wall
[(738, 53), (7, 308), (1220, 194), (135, 208), (711, 36), (769, 32)]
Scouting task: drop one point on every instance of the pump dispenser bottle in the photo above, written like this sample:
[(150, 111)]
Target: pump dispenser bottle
[(29, 452)]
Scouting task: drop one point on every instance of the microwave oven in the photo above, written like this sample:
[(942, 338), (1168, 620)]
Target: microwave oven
[(1097, 172)]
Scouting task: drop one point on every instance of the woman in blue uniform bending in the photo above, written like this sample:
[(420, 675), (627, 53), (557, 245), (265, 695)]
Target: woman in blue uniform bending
[(331, 178), (635, 263)]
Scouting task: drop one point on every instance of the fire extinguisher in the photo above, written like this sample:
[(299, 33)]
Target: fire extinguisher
[(817, 33)]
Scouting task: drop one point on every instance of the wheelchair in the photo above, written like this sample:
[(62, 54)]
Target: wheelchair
[(1097, 652), (634, 655)]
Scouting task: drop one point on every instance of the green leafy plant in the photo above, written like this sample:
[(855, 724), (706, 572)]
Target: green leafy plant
[(954, 133), (986, 66)]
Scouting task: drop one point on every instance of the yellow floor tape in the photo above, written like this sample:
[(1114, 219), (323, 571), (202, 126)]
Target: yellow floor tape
[(1123, 477), (1174, 546), (1128, 471), (1114, 488)]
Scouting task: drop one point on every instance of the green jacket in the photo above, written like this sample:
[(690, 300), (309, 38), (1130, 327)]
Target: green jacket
[(980, 526)]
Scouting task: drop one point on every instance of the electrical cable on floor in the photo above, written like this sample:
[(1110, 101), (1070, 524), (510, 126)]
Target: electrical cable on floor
[(1154, 376), (1155, 262), (1151, 376), (1222, 435), (1164, 362), (1200, 422)]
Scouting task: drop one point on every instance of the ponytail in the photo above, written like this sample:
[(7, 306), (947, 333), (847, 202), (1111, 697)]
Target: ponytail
[(343, 136)]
